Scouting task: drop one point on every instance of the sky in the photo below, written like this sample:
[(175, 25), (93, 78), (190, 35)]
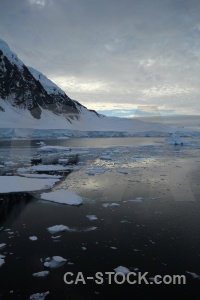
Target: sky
[(120, 57)]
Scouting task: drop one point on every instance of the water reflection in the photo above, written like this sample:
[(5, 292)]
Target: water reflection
[(11, 206)]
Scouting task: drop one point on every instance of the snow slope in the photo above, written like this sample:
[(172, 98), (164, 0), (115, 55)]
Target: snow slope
[(10, 55), (47, 84), (86, 121)]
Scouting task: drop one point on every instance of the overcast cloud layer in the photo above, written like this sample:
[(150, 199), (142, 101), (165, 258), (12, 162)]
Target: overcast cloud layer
[(112, 55)]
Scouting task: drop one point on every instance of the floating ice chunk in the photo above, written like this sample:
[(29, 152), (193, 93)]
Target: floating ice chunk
[(10, 163), (42, 176), (62, 197), (42, 168), (89, 229), (41, 143), (55, 262), (53, 148), (106, 157), (122, 269), (174, 139), (41, 274), (10, 184), (58, 228), (63, 161), (56, 237), (194, 275), (92, 217), (96, 171), (2, 260), (138, 199), (2, 245), (39, 296), (33, 238), (110, 204), (123, 171)]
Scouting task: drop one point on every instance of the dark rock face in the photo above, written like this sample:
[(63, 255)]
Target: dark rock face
[(22, 90)]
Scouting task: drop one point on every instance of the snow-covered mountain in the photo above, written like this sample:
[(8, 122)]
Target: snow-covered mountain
[(29, 100), (27, 89)]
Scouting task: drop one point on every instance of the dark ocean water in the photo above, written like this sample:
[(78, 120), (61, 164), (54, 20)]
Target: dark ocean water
[(159, 235)]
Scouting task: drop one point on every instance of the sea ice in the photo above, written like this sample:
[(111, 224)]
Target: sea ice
[(138, 199), (53, 149), (106, 157), (33, 238), (2, 245), (62, 197), (2, 260), (110, 204), (41, 274), (95, 171), (122, 269), (123, 171), (58, 228), (39, 296), (55, 262), (194, 275), (92, 217), (10, 184)]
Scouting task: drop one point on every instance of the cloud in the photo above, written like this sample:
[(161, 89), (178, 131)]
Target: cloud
[(40, 3), (111, 53)]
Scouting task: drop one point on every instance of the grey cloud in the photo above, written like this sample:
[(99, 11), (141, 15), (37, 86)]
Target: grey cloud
[(128, 47)]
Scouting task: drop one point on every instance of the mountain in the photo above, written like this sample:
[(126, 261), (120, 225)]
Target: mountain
[(27, 89), (29, 100)]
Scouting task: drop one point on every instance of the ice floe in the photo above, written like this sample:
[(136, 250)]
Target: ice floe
[(10, 184), (2, 260), (194, 275), (123, 171), (92, 217), (41, 274), (110, 204), (2, 245), (33, 238), (55, 262), (95, 171), (39, 296), (174, 139), (53, 148), (122, 269), (42, 176), (106, 157), (89, 229), (58, 228), (42, 168), (138, 199), (63, 197)]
